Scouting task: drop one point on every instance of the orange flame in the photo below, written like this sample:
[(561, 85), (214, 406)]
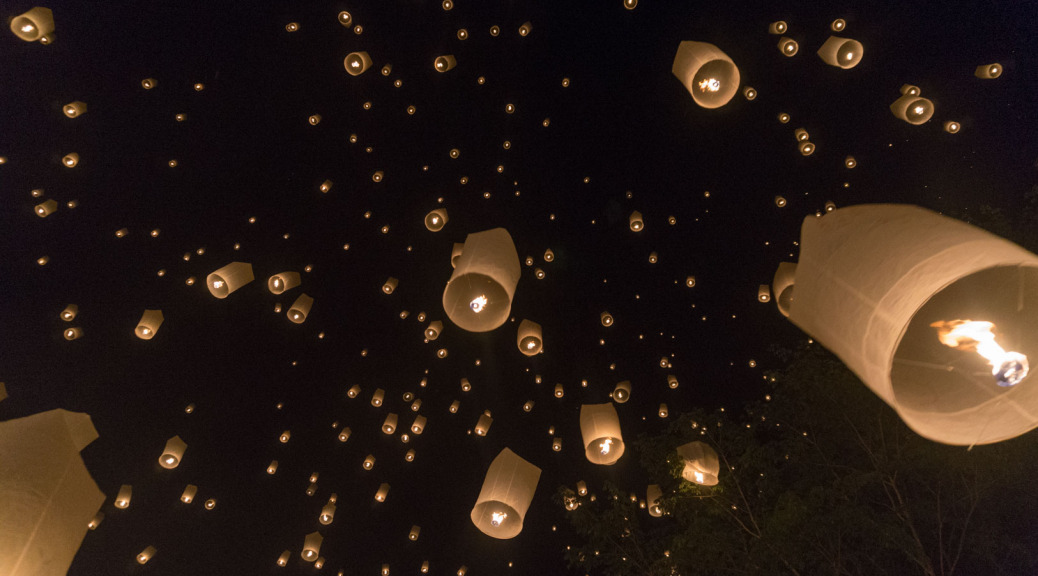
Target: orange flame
[(978, 336)]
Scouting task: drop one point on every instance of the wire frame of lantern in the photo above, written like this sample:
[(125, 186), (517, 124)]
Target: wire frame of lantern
[(435, 219), (35, 25), (788, 46), (707, 73), (652, 500), (600, 430), (913, 109), (701, 463), (229, 278), (282, 282), (777, 27), (382, 493), (483, 424), (505, 496), (841, 52), (299, 310), (444, 63), (622, 392), (312, 546), (74, 109), (529, 339), (327, 514), (941, 314), (123, 497), (377, 397), (144, 555), (952, 127), (45, 208), (188, 495), (419, 425), (173, 453), (478, 297), (356, 63), (389, 424), (988, 71), (148, 324)]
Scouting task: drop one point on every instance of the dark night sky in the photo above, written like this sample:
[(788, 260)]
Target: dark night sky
[(625, 123)]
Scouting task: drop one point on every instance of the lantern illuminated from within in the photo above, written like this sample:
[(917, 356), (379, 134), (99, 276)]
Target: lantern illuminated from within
[(300, 309), (145, 555), (312, 546), (606, 318), (635, 221), (432, 331), (96, 521), (525, 29), (672, 381), (483, 424), (36, 24), (454, 406), (435, 220), (377, 397), (806, 148), (528, 339), (273, 467), (326, 186), (952, 126), (841, 52), (419, 425), (444, 63), (912, 108), (559, 392), (505, 496), (369, 462), (189, 494), (70, 160), (936, 321), (344, 435), (413, 534), (314, 119), (707, 73), (763, 293), (383, 491), (600, 429), (749, 92), (148, 324), (45, 208), (788, 46), (478, 297), (327, 514), (622, 392), (465, 385), (528, 406), (701, 464), (389, 424), (173, 453), (780, 201), (987, 71), (74, 109), (285, 436), (652, 500), (353, 391), (777, 27), (122, 498), (229, 278), (73, 333), (279, 283), (149, 83), (556, 444), (663, 411), (356, 63), (581, 488), (390, 285)]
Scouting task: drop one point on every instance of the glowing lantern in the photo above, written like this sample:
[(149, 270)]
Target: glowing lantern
[(326, 186), (345, 18), (312, 546), (630, 4), (344, 435), (413, 534), (663, 411), (528, 406), (435, 220), (123, 497), (912, 108), (559, 392), (444, 63), (652, 499), (749, 92), (952, 127), (389, 424), (465, 385), (432, 331), (285, 436), (556, 444), (478, 297), (356, 63), (377, 397), (383, 491), (314, 119), (96, 521), (505, 496), (672, 381), (635, 221), (581, 488), (525, 29), (148, 324), (788, 46), (801, 135), (390, 285), (409, 455), (707, 73), (73, 333), (36, 24), (606, 318), (173, 453), (377, 176), (780, 201), (653, 258), (850, 162), (777, 27), (189, 494), (369, 462), (46, 208), (327, 514), (483, 424), (273, 467), (782, 286), (74, 109), (70, 160), (454, 406), (419, 425), (987, 71), (146, 555), (319, 563), (841, 52), (600, 429), (416, 405), (622, 392), (300, 308), (701, 463), (279, 283), (353, 391), (229, 278), (292, 27), (149, 83), (528, 339), (806, 148), (456, 254)]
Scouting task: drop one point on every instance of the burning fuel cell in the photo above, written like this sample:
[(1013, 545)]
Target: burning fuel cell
[(935, 316)]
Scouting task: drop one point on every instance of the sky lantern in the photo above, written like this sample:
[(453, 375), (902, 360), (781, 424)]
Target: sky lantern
[(707, 73), (600, 429), (433, 330), (369, 462), (35, 25), (635, 221), (841, 52), (45, 208), (528, 338), (986, 71), (70, 160), (525, 29), (952, 127), (123, 497), (652, 500), (788, 46), (48, 497), (419, 425), (777, 27), (377, 397), (911, 107), (701, 463), (312, 546), (273, 467), (356, 63), (188, 495), (483, 424), (300, 309), (74, 109), (314, 119), (382, 493), (327, 513), (146, 554), (285, 436), (389, 424), (173, 453), (606, 319), (478, 297), (444, 62), (435, 219), (749, 92), (931, 313), (622, 392), (413, 534), (279, 283), (763, 293), (229, 278), (390, 285), (506, 494), (148, 324)]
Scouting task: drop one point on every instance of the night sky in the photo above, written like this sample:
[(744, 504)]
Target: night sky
[(624, 135)]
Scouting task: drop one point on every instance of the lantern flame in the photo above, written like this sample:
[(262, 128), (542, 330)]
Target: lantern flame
[(478, 303), (710, 85), (605, 445), (699, 477), (1009, 368), (497, 518)]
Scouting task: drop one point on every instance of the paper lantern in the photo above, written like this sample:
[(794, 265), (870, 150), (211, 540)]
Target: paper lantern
[(36, 24), (672, 381), (46, 208), (314, 119), (952, 127), (273, 467), (556, 444), (146, 554), (385, 567), (189, 494), (369, 462), (777, 27), (478, 297), (319, 563), (285, 436), (70, 160), (483, 424), (148, 324), (622, 392), (96, 521), (444, 63), (606, 318), (390, 285), (409, 456), (189, 408), (326, 186), (895, 279), (987, 71), (74, 109), (788, 46), (912, 108), (229, 278), (806, 148), (345, 18), (344, 435), (600, 429), (528, 406), (353, 391), (456, 254), (783, 118), (432, 331), (149, 83), (435, 219), (279, 283), (581, 488), (413, 534), (749, 92), (383, 491), (327, 514), (663, 411), (780, 201), (300, 309), (506, 494), (841, 52), (763, 293), (123, 497), (377, 175), (356, 63), (701, 464), (173, 453), (525, 29), (416, 405), (635, 221), (377, 397), (389, 424), (311, 490), (419, 425), (707, 73), (652, 499), (782, 286), (312, 546), (454, 407), (801, 135), (48, 498), (528, 338), (653, 258)]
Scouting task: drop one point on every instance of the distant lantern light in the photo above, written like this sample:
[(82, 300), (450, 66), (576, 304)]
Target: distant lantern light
[(387, 69), (801, 135), (806, 148), (777, 27), (46, 208), (344, 434), (635, 221), (630, 4), (123, 497), (418, 426), (672, 381), (432, 331), (435, 219), (389, 424), (465, 385), (74, 109), (478, 297), (952, 127), (229, 278), (409, 455), (495, 30), (559, 391), (606, 318), (314, 119), (652, 500), (149, 83), (146, 554), (390, 285), (43, 260), (838, 25), (690, 281), (528, 406), (447, 4), (189, 494), (369, 462), (356, 63), (441, 353), (581, 488), (841, 52), (788, 46), (912, 108), (377, 176), (299, 310), (272, 468), (663, 411), (285, 436), (600, 429), (173, 453), (483, 424), (70, 160), (507, 492), (417, 404), (454, 407), (538, 273), (353, 391), (549, 256), (988, 71), (707, 73), (749, 92), (780, 201), (463, 34), (909, 89), (378, 397), (35, 25), (525, 29), (830, 206), (180, 117), (345, 18), (653, 258), (701, 463), (327, 514), (783, 117), (292, 27), (148, 324), (850, 162), (312, 546), (382, 493), (199, 86), (189, 408), (73, 333), (529, 339), (282, 282), (622, 392), (444, 62), (283, 558), (763, 293), (68, 314)]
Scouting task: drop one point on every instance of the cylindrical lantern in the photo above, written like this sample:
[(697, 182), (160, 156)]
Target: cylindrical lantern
[(189, 494), (988, 71), (780, 201), (606, 318), (622, 392), (841, 52), (419, 425), (478, 297), (96, 520), (444, 63), (319, 563), (413, 534), (416, 405), (344, 434), (525, 29), (701, 463), (559, 392), (435, 219), (390, 285), (483, 424), (581, 488), (279, 283), (432, 331), (782, 286), (369, 462), (788, 46), (122, 498), (283, 558), (672, 381), (663, 411), (353, 391), (409, 455), (505, 496), (36, 24), (889, 289), (70, 160), (356, 63), (653, 257), (850, 162), (763, 293), (148, 324), (74, 109), (314, 119), (952, 126), (312, 546), (635, 221), (326, 186), (707, 73), (389, 424), (801, 134), (913, 109), (285, 436), (377, 397), (173, 453), (600, 429), (300, 309), (383, 491), (273, 467), (777, 27), (45, 208), (806, 148), (456, 254), (145, 555), (327, 514), (549, 255), (556, 444), (229, 278), (454, 406), (652, 500), (149, 83), (909, 89), (528, 339), (749, 92)]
